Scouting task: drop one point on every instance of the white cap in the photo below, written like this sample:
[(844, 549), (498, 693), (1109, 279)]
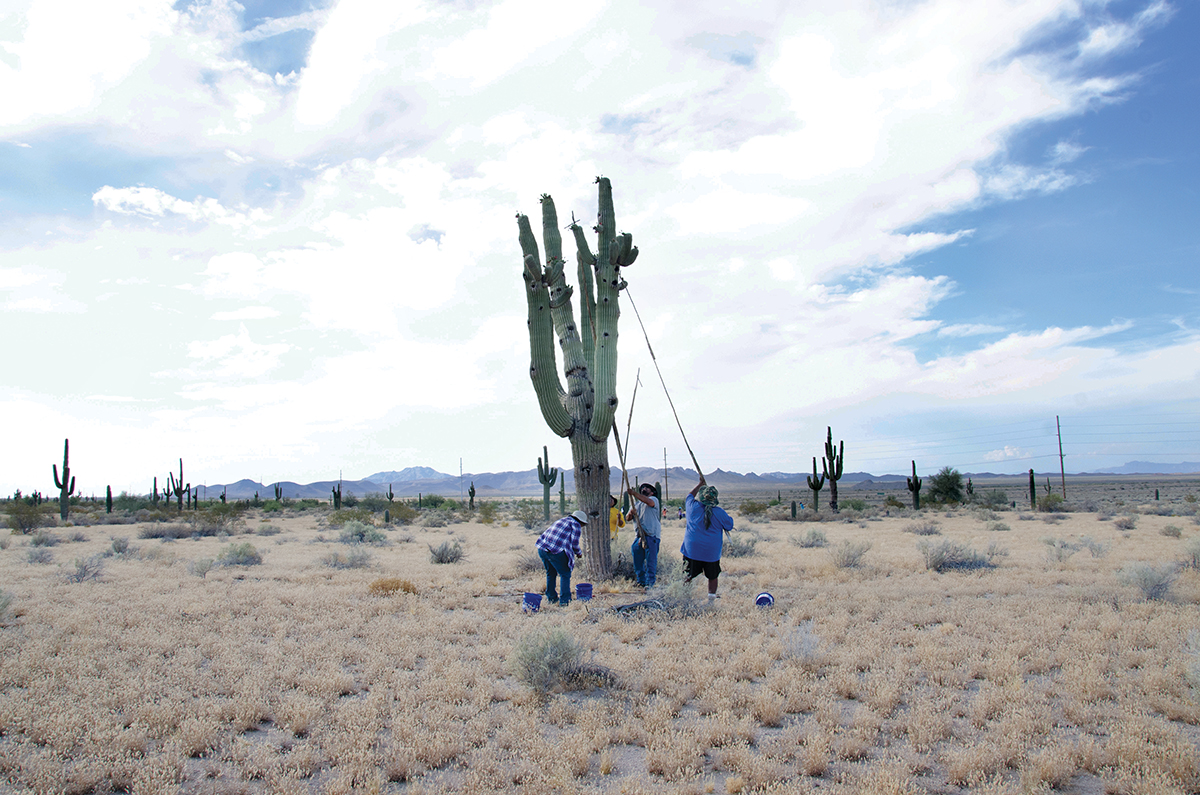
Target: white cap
[(581, 516)]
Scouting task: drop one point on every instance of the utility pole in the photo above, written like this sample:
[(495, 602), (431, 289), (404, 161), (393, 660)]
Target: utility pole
[(664, 494), (460, 488), (1062, 468)]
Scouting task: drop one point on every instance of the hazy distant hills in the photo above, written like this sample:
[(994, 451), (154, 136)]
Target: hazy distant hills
[(411, 481)]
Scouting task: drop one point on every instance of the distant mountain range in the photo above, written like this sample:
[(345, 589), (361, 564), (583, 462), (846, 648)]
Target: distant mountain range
[(411, 481)]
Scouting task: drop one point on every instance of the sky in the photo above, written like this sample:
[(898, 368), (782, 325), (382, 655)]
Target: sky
[(278, 239)]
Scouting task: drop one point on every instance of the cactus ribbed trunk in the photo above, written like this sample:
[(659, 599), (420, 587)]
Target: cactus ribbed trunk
[(65, 486), (583, 411)]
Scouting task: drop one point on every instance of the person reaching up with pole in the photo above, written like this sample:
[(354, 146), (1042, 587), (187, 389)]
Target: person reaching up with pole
[(702, 537), (645, 546)]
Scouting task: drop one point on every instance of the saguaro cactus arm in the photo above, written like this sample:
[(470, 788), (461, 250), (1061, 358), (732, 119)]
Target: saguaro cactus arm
[(608, 282), (542, 372)]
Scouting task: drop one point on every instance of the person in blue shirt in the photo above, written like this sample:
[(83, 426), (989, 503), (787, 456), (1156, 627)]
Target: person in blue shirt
[(645, 546), (558, 547), (703, 536)]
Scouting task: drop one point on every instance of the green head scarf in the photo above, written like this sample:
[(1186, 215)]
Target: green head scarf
[(707, 496)]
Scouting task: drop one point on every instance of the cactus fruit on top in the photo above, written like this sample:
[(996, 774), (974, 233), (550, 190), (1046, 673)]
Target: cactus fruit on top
[(832, 464), (66, 486), (584, 410), (815, 484), (914, 485), (546, 476)]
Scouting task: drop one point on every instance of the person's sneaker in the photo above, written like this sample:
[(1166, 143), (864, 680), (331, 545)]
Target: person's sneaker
[(712, 597)]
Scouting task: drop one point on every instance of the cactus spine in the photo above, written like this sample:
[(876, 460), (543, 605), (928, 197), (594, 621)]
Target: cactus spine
[(815, 484), (546, 476), (584, 410), (65, 486), (832, 464), (914, 485)]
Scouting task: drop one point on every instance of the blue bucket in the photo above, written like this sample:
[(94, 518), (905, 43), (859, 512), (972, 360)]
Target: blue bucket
[(764, 599), (583, 591), (532, 602)]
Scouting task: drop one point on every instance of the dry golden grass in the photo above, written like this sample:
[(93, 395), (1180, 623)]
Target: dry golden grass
[(1048, 671)]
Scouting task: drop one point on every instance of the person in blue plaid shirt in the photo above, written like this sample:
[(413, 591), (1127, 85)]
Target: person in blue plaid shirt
[(558, 547)]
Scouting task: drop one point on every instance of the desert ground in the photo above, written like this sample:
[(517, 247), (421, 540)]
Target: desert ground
[(1053, 652)]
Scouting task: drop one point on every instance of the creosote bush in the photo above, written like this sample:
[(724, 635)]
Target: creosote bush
[(90, 568), (545, 659), (243, 554), (752, 508), (446, 552), (1172, 531), (24, 518), (527, 512), (346, 515), (738, 545), (946, 554), (39, 555), (1125, 523), (1050, 503), (926, 528), (998, 527), (355, 532), (487, 512), (354, 559)]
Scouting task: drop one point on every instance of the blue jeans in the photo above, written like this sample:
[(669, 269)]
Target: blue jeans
[(645, 561), (558, 567)]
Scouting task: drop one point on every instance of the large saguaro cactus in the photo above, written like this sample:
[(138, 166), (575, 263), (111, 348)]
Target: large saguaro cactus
[(914, 485), (65, 486), (546, 476), (583, 411), (832, 462), (815, 484)]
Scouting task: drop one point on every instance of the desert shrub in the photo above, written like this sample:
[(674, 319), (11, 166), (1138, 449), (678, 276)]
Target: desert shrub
[(1050, 503), (43, 538), (947, 554), (119, 546), (403, 513), (354, 559), (86, 569), (994, 499), (1153, 581), (435, 519), (1097, 549), (4, 542), (24, 518), (217, 518), (354, 532), (5, 603), (946, 486), (1059, 550), (752, 508), (891, 501), (529, 563), (387, 586), (131, 502), (39, 555), (848, 554), (545, 659), (1125, 523), (360, 515), (201, 567), (243, 554), (446, 552), (433, 501), (1191, 553), (738, 545), (926, 528), (854, 504), (375, 502), (811, 539), (487, 512), (76, 537), (267, 530), (998, 527), (1172, 531), (272, 506), (622, 567), (174, 532), (527, 512)]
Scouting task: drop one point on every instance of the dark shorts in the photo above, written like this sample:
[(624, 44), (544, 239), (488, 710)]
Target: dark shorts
[(693, 568)]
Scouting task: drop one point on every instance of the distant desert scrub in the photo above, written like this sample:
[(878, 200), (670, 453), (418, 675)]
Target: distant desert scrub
[(848, 554), (924, 528), (387, 586), (813, 538), (243, 554), (446, 552)]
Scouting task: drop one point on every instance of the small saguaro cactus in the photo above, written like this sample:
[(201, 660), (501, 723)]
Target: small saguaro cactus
[(1032, 491), (65, 486), (108, 499), (154, 492), (224, 495), (278, 492), (471, 494), (337, 497), (562, 495), (390, 495), (832, 464), (914, 485), (815, 484), (546, 476), (793, 510), (176, 487)]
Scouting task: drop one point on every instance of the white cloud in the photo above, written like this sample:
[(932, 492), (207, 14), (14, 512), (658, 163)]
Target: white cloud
[(1007, 453), (248, 313), (151, 202), (969, 330), (236, 356)]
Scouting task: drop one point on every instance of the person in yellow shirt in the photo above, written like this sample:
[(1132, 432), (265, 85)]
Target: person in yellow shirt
[(615, 520)]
